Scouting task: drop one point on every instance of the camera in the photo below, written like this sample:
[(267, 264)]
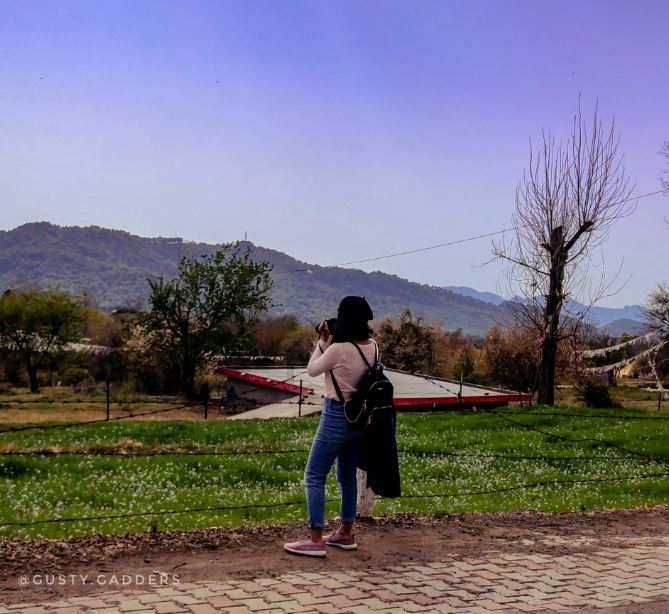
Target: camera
[(332, 325)]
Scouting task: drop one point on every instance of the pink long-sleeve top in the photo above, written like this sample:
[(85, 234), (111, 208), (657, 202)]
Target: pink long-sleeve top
[(346, 363)]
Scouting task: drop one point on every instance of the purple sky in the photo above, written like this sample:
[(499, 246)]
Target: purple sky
[(332, 130)]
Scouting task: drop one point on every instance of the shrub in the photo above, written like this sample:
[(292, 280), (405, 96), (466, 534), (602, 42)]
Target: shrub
[(594, 393)]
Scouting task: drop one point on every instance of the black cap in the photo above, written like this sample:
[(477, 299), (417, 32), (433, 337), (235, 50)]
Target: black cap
[(354, 308)]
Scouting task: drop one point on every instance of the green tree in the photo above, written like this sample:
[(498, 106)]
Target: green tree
[(211, 307), (270, 334), (37, 324), (407, 345), (512, 357)]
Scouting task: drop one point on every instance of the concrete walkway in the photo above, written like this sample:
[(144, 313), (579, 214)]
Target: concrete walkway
[(629, 574)]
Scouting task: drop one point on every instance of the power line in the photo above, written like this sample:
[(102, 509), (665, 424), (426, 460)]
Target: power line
[(447, 244), (425, 249)]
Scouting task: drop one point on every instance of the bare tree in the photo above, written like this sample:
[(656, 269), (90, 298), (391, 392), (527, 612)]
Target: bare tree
[(565, 205), (664, 173), (656, 317)]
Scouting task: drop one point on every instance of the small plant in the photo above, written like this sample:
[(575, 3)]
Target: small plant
[(594, 393)]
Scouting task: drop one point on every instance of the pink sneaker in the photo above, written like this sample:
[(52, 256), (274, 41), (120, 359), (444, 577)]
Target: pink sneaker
[(306, 547), (345, 542)]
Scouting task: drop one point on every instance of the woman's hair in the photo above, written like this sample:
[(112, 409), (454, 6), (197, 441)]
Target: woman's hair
[(352, 316), (351, 330)]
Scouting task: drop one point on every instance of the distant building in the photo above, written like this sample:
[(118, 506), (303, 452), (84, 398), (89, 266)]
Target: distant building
[(279, 387)]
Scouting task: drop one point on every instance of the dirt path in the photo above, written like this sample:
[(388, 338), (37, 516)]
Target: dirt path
[(220, 554)]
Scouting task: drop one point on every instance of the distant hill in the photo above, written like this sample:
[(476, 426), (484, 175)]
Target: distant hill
[(111, 267), (605, 316), (624, 325), (486, 297), (610, 317)]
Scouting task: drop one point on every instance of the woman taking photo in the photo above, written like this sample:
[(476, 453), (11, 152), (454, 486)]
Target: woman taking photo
[(336, 439)]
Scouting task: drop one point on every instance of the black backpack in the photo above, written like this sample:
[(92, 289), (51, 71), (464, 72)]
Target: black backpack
[(374, 392)]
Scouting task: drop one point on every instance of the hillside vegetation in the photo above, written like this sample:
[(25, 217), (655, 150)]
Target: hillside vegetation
[(111, 268)]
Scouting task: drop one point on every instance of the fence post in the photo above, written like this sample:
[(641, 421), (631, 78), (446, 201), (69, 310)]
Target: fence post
[(299, 405), (659, 400), (365, 496), (205, 391), (107, 398)]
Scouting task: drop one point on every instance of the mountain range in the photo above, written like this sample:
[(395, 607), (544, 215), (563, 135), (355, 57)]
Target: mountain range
[(111, 268), (614, 319)]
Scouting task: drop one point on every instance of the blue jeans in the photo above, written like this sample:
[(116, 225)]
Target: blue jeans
[(336, 440)]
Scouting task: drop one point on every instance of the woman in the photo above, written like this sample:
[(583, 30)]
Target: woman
[(336, 439)]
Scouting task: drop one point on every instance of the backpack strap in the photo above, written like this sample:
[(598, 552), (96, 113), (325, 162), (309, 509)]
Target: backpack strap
[(340, 396), (376, 353)]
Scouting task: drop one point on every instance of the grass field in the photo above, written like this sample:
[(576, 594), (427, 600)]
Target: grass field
[(45, 486), (629, 393)]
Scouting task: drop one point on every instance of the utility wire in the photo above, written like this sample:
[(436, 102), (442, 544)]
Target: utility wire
[(439, 245), (465, 240), (425, 249)]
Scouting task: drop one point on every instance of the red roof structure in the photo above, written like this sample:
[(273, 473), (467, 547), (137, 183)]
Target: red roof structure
[(412, 391)]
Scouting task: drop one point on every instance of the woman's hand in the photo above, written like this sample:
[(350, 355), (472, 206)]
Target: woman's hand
[(325, 331)]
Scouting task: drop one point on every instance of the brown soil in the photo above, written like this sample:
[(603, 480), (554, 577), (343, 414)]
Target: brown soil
[(212, 554)]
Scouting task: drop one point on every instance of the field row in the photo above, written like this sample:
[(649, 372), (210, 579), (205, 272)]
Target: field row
[(147, 470)]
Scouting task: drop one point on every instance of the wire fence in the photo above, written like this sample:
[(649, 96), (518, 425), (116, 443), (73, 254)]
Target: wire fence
[(502, 414), (176, 405), (219, 508), (421, 453), (603, 442)]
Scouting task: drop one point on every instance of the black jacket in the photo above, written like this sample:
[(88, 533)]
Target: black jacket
[(378, 456)]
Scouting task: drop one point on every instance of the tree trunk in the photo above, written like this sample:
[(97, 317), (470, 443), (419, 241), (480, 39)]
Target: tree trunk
[(32, 376), (558, 255), (546, 391), (188, 380)]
